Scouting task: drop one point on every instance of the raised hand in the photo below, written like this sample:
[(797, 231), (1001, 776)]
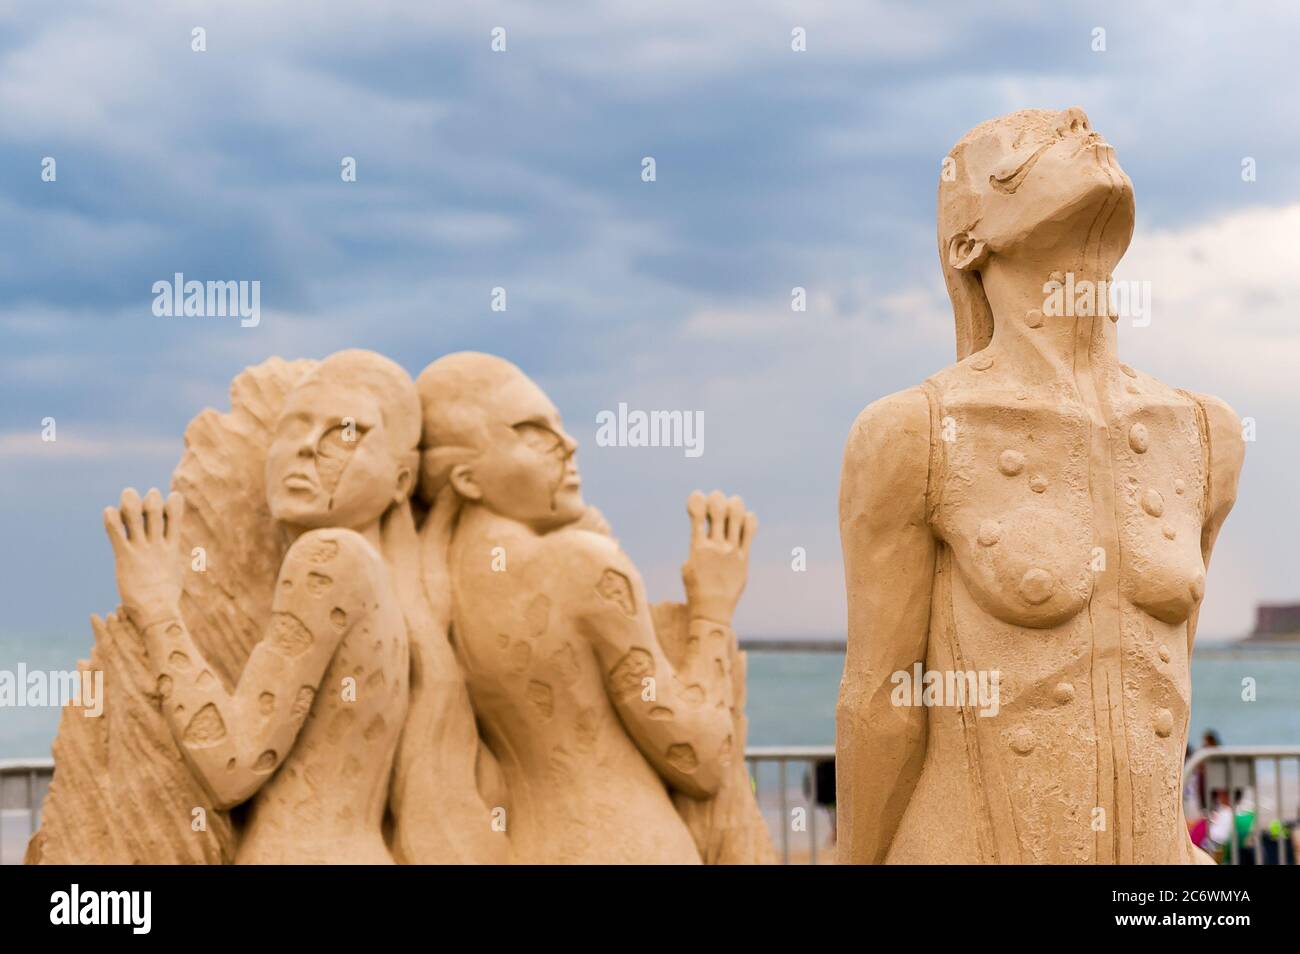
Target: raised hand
[(718, 565), (146, 536)]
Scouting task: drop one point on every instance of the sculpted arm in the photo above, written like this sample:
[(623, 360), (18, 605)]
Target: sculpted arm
[(1227, 452), (889, 561), (235, 740), (680, 719)]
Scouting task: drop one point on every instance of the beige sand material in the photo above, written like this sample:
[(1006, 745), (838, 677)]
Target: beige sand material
[(1040, 511), (283, 645), (590, 718), (276, 677)]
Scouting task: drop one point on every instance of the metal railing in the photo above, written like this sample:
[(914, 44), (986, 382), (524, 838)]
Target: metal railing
[(799, 792), (23, 784), (785, 785), (1239, 778)]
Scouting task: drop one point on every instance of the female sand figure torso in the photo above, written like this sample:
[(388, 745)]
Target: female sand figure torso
[(1037, 510), (588, 719)]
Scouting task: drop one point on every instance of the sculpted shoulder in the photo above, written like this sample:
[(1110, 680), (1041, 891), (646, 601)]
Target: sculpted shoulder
[(351, 554), (1224, 425), (1227, 450), (590, 562), (1223, 432), (887, 456)]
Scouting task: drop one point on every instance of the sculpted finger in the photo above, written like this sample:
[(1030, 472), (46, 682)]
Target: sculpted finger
[(698, 510), (172, 514), (717, 507), (153, 514), (113, 524), (735, 520), (132, 517), (747, 532)]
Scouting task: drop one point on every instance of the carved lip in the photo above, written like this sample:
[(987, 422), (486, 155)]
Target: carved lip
[(299, 481)]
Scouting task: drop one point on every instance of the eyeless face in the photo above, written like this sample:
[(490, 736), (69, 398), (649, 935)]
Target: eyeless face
[(527, 472), (1054, 185), (330, 463)]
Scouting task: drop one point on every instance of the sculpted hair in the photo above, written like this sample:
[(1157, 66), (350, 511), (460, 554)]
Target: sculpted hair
[(455, 394), (399, 403), (974, 159)]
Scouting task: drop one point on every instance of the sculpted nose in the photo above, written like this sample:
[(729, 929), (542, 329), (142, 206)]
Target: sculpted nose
[(1072, 121)]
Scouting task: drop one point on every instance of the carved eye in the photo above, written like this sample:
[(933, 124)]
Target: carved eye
[(539, 438), (1008, 182), (335, 442)]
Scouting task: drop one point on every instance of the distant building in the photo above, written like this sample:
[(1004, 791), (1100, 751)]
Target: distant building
[(1279, 622)]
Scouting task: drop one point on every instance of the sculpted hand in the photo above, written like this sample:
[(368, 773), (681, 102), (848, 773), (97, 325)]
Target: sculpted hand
[(146, 538), (718, 566)]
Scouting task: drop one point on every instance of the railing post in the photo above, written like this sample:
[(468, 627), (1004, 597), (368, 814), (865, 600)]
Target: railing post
[(1281, 818), (785, 816), (812, 811)]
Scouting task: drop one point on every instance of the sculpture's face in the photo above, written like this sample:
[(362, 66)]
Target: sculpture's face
[(330, 463), (1052, 185), (527, 470)]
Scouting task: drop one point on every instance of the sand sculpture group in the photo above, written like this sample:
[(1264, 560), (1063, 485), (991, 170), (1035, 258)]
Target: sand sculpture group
[(375, 621)]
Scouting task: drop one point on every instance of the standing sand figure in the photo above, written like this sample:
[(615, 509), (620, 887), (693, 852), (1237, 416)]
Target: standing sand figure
[(590, 721), (1040, 511)]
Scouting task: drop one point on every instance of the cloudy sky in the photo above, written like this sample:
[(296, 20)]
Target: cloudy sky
[(522, 169)]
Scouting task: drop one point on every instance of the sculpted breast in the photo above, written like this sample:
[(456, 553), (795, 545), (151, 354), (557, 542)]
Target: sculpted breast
[(1159, 456), (1025, 567), (1163, 572), (1013, 506)]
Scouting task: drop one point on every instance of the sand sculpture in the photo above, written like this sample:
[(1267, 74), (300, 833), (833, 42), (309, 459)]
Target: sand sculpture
[(281, 683), (615, 743), (1038, 511)]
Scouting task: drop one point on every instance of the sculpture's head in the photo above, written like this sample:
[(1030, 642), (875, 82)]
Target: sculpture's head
[(1035, 187), (493, 435), (346, 445)]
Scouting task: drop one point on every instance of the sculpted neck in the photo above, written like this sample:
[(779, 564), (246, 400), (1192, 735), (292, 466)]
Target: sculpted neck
[(478, 517), (1047, 347), (370, 531), (480, 521)]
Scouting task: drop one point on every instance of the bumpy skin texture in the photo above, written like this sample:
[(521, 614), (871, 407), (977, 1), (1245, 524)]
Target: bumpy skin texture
[(245, 671), (274, 679), (309, 731), (1041, 511), (335, 626), (614, 747), (122, 793), (579, 701)]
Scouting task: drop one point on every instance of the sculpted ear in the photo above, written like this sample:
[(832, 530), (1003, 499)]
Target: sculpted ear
[(462, 481), (407, 469), (965, 251)]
